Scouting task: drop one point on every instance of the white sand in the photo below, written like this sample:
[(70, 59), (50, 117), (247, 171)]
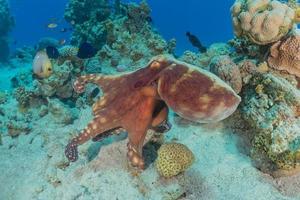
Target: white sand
[(33, 167)]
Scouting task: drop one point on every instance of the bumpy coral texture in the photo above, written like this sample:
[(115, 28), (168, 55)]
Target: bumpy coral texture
[(228, 71), (87, 18), (262, 21), (140, 100), (173, 158), (68, 51), (271, 107), (126, 39), (285, 55)]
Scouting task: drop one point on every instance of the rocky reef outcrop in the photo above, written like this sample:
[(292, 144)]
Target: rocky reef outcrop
[(124, 38), (271, 106), (6, 24)]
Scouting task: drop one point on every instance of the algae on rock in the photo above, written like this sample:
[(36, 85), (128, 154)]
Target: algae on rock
[(271, 107)]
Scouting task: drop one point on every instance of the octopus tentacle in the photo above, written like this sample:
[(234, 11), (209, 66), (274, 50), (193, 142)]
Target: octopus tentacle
[(95, 127), (101, 80), (114, 131)]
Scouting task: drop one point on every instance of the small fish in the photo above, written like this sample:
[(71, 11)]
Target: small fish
[(86, 50), (52, 52), (72, 22), (62, 41), (196, 42), (42, 66), (64, 30), (52, 25)]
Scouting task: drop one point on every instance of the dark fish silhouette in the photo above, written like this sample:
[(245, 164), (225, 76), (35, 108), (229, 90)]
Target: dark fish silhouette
[(196, 42), (52, 52), (86, 50)]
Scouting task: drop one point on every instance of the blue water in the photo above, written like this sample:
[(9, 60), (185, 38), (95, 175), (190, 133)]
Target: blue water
[(209, 20)]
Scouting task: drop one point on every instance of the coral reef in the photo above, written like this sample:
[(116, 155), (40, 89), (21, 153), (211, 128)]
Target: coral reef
[(23, 97), (271, 107), (87, 18), (284, 55), (228, 71), (262, 21), (245, 48), (6, 24), (164, 82), (202, 60), (122, 40), (58, 84), (68, 51), (173, 158)]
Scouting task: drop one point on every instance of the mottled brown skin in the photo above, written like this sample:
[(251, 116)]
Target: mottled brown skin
[(139, 101)]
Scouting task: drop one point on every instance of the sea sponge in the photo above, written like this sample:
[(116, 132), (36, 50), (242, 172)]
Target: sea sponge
[(173, 158), (284, 55), (262, 21)]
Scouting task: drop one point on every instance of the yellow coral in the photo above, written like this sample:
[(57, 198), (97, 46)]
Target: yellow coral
[(173, 158), (297, 15)]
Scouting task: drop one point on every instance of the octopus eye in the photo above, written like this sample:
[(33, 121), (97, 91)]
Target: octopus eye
[(49, 69)]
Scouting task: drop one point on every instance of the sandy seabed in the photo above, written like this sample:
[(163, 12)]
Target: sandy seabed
[(33, 166)]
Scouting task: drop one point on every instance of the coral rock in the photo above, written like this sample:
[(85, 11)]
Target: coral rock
[(228, 71), (285, 55), (173, 158), (271, 107), (262, 21)]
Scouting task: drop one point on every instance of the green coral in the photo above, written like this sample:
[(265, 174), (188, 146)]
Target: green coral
[(173, 158)]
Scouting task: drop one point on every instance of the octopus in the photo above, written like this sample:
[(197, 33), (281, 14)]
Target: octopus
[(137, 101)]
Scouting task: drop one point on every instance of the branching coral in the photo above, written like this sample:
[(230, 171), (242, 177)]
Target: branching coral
[(262, 21)]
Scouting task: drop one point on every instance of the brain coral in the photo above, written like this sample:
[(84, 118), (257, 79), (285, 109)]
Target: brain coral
[(262, 21), (173, 158), (285, 55)]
